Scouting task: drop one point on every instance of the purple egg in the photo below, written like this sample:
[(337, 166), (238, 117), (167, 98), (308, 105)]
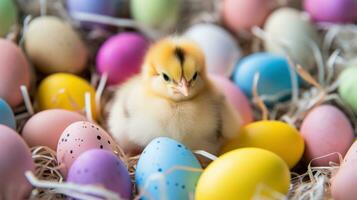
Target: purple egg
[(101, 167), (121, 56), (334, 11)]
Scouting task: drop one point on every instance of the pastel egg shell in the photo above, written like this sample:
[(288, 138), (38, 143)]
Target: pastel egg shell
[(351, 154), (326, 130), (8, 16), (274, 82), (45, 127), (100, 167), (159, 157), (347, 87), (343, 184), (15, 160), (7, 116), (79, 137)]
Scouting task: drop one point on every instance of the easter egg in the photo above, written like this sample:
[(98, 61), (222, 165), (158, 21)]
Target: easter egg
[(241, 15), (79, 137), (326, 130), (15, 159), (240, 173), (275, 80), (52, 52), (220, 48), (121, 56), (7, 116), (335, 11), (295, 39), (165, 157), (156, 13), (100, 167), (351, 154), (66, 91), (8, 16), (347, 87), (235, 96), (275, 136), (45, 128), (344, 183), (14, 72)]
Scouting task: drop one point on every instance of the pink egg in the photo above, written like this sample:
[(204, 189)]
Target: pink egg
[(15, 160), (121, 56), (78, 138), (235, 96), (351, 154), (344, 183), (241, 15), (46, 127), (14, 72), (326, 130)]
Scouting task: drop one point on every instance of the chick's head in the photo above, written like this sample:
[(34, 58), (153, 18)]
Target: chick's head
[(174, 68)]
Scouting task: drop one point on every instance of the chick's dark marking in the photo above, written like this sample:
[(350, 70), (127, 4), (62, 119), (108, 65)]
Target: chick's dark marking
[(218, 107), (180, 55)]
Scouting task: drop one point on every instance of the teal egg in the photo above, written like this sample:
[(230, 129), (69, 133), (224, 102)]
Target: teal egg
[(7, 117), (8, 16), (348, 87), (155, 13), (160, 157)]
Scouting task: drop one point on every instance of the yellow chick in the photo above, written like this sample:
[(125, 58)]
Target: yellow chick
[(172, 97)]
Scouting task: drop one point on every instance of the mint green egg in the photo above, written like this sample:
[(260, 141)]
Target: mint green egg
[(155, 13), (348, 87), (8, 16)]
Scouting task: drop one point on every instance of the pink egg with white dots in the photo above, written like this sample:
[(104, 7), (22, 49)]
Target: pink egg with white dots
[(78, 138)]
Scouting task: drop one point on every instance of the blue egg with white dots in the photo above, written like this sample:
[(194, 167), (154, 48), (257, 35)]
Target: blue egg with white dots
[(167, 170), (7, 117), (275, 80)]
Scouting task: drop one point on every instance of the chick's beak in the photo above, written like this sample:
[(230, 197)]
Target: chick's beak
[(182, 87)]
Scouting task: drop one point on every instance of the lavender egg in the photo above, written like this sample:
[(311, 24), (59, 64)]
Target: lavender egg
[(100, 167)]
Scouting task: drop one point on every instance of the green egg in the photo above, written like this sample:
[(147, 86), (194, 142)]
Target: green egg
[(8, 16), (156, 13), (348, 87)]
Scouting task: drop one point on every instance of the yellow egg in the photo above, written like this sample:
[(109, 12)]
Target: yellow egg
[(275, 136), (242, 174), (66, 91)]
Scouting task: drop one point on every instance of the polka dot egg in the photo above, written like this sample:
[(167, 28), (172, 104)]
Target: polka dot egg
[(78, 138)]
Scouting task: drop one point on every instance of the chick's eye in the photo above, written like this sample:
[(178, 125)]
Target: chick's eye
[(165, 76), (195, 76)]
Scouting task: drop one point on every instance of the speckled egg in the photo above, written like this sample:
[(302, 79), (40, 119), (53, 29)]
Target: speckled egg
[(15, 159), (164, 157), (326, 130), (348, 87), (78, 138), (220, 48), (297, 36), (344, 183), (121, 56), (16, 75), (100, 167), (45, 128), (8, 16), (53, 46), (7, 116)]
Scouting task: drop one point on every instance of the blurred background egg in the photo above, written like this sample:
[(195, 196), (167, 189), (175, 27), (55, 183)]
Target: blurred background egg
[(334, 11), (235, 96), (348, 87), (164, 156), (161, 14), (100, 167), (66, 91), (240, 173), (344, 183), (242, 15), (275, 136), (274, 82), (293, 35), (45, 128), (15, 159), (14, 72), (121, 56), (326, 130), (78, 138), (220, 48), (8, 16), (53, 46), (7, 116)]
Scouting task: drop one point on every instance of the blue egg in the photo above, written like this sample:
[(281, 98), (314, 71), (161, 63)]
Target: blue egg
[(6, 115), (275, 80), (157, 160)]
